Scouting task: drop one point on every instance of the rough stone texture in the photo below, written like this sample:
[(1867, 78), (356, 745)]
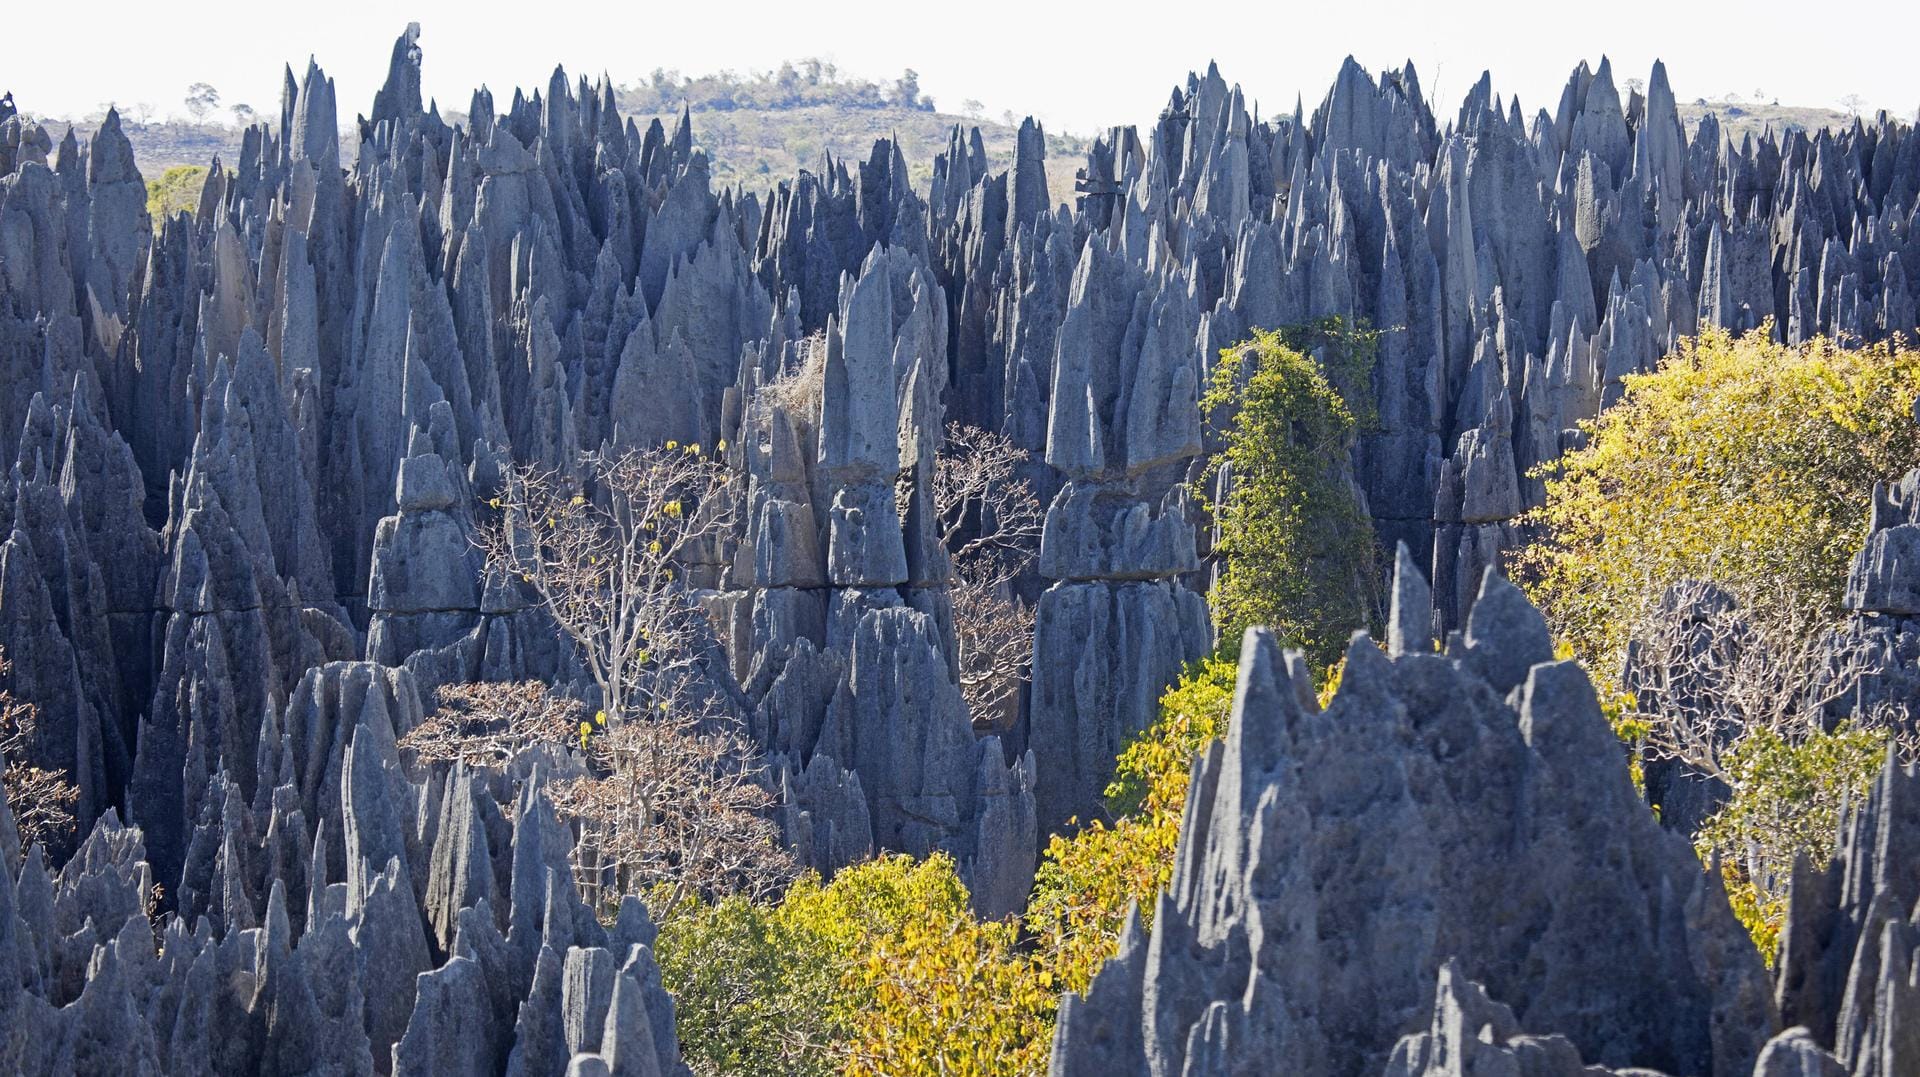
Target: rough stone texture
[(1883, 617), (350, 986), (1471, 807), (1474, 1034), (1846, 951), (243, 458)]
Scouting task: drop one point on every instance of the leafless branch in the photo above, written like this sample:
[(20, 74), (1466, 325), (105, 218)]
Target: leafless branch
[(609, 560), (799, 389), (669, 798), (1703, 672), (995, 632), (678, 802), (490, 724), (985, 507), (42, 800), (990, 522)]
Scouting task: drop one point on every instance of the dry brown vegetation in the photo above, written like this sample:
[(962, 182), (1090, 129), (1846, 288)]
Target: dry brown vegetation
[(42, 800), (990, 522)]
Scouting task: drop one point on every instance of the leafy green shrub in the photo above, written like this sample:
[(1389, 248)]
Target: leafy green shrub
[(1751, 464), (1296, 549), (855, 976), (176, 191), (749, 988), (1151, 773), (951, 996), (1787, 796), (886, 971)]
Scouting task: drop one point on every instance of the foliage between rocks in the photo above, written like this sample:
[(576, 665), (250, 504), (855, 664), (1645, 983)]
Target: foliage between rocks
[(176, 191), (886, 971), (1295, 547), (1740, 461), (1740, 468), (1787, 801)]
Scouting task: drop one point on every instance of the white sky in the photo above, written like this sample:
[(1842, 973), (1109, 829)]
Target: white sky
[(1077, 66)]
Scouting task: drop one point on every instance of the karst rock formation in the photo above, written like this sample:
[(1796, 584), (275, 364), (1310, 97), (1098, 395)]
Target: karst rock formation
[(247, 448)]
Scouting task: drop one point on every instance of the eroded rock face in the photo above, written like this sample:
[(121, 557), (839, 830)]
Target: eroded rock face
[(245, 457), (1846, 951), (1883, 618), (286, 969), (1466, 815)]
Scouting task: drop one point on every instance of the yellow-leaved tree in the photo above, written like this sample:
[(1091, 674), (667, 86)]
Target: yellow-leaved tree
[(885, 970), (1694, 552), (1740, 460)]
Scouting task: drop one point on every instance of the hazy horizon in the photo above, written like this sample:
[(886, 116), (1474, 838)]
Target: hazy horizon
[(1074, 74)]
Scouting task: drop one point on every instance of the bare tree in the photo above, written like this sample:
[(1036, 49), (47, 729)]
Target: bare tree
[(675, 802), (994, 630), (607, 560), (1743, 696), (677, 799), (243, 114), (986, 509), (990, 521), (1704, 671), (42, 800), (489, 724), (1854, 104), (672, 794)]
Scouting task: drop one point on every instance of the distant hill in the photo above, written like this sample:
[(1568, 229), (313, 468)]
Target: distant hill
[(1739, 118), (757, 147), (756, 129), (158, 146), (760, 127)]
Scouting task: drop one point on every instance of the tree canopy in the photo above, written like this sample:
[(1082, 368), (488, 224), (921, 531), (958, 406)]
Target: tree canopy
[(1295, 549)]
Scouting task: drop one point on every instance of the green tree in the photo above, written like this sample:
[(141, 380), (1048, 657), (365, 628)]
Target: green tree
[(202, 99), (792, 988), (1749, 464), (1296, 550), (176, 191), (754, 993)]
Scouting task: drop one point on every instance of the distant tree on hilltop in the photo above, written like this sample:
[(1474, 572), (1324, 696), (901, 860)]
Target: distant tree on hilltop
[(202, 99)]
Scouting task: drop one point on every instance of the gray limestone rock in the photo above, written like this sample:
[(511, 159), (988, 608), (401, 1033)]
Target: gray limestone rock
[(1330, 863), (451, 1030), (251, 446), (1471, 1033), (1105, 652)]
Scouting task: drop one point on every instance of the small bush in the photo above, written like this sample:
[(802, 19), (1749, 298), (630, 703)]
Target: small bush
[(1787, 796), (176, 191)]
